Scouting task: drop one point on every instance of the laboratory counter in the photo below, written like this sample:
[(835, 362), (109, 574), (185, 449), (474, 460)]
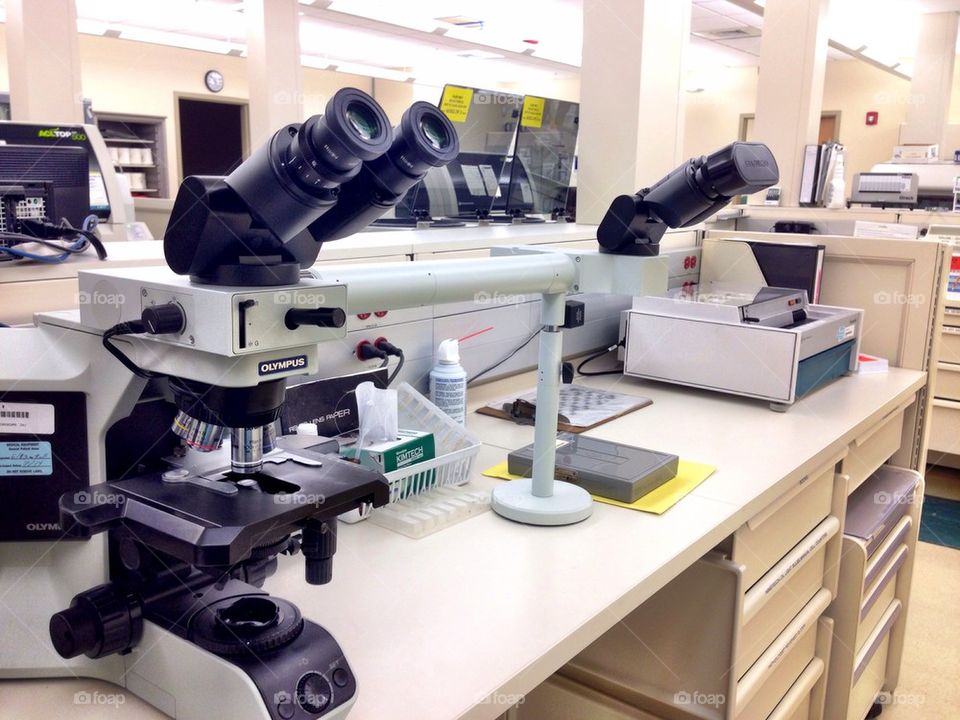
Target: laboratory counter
[(464, 622)]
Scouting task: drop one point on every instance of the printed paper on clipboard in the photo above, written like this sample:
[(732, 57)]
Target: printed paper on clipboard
[(582, 407)]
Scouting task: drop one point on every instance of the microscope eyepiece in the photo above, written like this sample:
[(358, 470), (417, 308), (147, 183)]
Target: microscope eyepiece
[(327, 150), (424, 139)]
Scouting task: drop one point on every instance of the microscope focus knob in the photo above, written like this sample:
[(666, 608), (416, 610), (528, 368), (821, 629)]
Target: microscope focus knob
[(164, 319), (100, 621), (321, 317)]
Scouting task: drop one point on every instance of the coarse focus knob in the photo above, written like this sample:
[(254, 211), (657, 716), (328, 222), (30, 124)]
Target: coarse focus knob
[(99, 622), (321, 317), (164, 319)]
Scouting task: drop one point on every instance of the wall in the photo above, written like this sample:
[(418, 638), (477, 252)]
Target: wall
[(713, 115), (130, 77), (851, 88)]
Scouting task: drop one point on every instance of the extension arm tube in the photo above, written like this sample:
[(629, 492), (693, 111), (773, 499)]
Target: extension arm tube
[(392, 286), (389, 286)]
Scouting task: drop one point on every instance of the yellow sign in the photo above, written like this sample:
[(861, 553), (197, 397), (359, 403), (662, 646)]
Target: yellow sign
[(532, 115), (455, 103)]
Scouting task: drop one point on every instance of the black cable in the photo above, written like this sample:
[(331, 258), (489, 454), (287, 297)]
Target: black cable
[(127, 328), (597, 356), (396, 370), (501, 362)]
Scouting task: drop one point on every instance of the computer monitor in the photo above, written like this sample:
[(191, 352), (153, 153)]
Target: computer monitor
[(43, 182), (109, 201), (543, 159)]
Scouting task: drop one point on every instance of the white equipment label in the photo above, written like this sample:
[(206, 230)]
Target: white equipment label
[(26, 419)]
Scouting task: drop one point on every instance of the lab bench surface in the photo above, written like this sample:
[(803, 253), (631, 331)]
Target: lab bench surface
[(463, 623)]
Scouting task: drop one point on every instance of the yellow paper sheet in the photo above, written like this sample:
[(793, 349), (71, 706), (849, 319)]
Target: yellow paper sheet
[(689, 475)]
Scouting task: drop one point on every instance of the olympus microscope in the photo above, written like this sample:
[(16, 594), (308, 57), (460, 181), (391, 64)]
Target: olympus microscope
[(124, 558)]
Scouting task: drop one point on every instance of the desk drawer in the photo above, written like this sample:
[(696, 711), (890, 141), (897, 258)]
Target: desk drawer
[(947, 384), (560, 698), (874, 447), (797, 704), (779, 667), (945, 426), (778, 596), (770, 534), (950, 344), (885, 551), (870, 668), (879, 596)]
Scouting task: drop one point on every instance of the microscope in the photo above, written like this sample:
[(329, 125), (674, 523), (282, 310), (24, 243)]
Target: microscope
[(134, 543), (131, 539)]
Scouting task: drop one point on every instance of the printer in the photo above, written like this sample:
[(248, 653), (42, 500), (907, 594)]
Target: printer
[(762, 342)]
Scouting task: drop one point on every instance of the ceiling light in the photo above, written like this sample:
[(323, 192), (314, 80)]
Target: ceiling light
[(189, 42)]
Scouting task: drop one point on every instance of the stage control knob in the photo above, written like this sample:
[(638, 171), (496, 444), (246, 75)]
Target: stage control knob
[(164, 319), (321, 317), (314, 693)]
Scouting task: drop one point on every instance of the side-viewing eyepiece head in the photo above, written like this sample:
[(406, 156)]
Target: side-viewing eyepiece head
[(689, 194)]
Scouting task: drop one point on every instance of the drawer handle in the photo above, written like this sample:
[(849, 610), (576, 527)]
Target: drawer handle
[(765, 587), (799, 691), (883, 553), (804, 622), (876, 639), (880, 585)]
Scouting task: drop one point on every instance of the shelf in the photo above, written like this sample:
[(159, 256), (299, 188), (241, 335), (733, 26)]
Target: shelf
[(124, 132)]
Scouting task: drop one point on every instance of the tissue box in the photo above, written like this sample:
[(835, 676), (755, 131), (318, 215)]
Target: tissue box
[(410, 447)]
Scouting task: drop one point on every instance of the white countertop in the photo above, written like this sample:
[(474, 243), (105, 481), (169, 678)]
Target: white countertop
[(453, 624)]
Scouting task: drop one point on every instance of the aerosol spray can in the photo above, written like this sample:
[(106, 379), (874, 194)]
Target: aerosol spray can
[(448, 381)]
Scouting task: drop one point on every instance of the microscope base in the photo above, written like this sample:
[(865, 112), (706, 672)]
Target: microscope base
[(188, 683), (515, 501)]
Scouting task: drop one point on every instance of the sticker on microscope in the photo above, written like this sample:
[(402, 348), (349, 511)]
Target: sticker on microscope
[(25, 458), (26, 419)]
